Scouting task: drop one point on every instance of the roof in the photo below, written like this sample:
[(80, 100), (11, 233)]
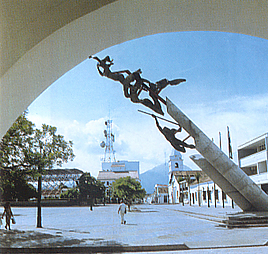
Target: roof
[(185, 172), (251, 143), (63, 171), (111, 175), (176, 153), (204, 178)]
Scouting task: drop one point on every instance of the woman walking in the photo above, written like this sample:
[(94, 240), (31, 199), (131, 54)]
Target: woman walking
[(8, 213)]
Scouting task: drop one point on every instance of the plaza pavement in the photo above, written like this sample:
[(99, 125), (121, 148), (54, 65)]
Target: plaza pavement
[(149, 228)]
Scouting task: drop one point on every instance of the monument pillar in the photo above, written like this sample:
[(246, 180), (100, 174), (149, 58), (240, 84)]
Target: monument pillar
[(227, 175)]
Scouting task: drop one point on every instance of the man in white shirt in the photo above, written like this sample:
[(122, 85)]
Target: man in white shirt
[(122, 210)]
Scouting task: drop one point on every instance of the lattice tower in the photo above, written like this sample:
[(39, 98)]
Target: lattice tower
[(109, 155)]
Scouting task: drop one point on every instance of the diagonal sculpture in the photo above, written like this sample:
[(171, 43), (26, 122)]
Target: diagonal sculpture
[(223, 171)]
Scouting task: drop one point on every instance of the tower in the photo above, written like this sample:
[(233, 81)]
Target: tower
[(175, 161), (109, 154)]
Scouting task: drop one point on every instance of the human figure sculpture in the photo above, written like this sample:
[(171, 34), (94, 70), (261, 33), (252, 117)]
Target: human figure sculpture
[(161, 84), (133, 91), (103, 68), (133, 84), (169, 134)]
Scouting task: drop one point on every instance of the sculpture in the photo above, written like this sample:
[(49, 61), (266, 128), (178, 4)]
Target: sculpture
[(169, 134), (134, 84)]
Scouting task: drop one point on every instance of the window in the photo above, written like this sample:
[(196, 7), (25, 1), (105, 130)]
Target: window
[(209, 195), (165, 199), (204, 195), (223, 196), (217, 195), (176, 164)]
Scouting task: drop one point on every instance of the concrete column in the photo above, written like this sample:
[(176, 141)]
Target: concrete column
[(216, 177), (222, 165)]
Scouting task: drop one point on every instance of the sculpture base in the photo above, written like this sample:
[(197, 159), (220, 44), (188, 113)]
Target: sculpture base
[(246, 220)]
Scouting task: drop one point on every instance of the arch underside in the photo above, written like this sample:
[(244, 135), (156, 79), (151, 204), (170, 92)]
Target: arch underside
[(34, 58)]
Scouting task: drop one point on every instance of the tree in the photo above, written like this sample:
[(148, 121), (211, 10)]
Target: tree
[(15, 143), (72, 193), (13, 163), (129, 189), (47, 149), (33, 150), (90, 189), (14, 185)]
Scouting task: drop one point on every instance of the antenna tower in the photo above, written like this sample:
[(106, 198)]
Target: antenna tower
[(109, 154)]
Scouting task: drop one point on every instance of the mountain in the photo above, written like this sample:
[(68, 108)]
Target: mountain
[(157, 175)]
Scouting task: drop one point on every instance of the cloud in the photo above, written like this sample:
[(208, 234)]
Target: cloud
[(246, 117), (141, 140)]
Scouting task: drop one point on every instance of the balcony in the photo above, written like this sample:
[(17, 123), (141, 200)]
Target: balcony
[(260, 179), (253, 159)]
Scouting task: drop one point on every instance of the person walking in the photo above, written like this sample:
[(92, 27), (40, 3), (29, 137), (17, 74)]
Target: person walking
[(8, 213), (122, 210)]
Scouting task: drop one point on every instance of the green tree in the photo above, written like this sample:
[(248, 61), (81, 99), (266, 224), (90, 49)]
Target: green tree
[(14, 185), (33, 150), (13, 163), (128, 189), (47, 149), (15, 143), (72, 193), (90, 189)]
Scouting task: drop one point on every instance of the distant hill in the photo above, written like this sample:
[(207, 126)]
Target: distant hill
[(157, 175)]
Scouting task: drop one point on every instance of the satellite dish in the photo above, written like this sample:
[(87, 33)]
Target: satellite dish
[(102, 144)]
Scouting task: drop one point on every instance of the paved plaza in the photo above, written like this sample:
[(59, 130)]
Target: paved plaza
[(168, 228)]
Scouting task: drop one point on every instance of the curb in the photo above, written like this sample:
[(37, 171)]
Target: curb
[(98, 249)]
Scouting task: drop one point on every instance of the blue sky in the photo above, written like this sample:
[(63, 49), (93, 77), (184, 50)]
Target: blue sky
[(226, 86)]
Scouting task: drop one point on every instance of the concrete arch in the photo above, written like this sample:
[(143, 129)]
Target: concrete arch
[(95, 29)]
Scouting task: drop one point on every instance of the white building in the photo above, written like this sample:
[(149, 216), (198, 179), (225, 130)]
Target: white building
[(203, 192), (112, 171), (252, 159), (207, 193), (160, 193), (177, 186), (121, 166)]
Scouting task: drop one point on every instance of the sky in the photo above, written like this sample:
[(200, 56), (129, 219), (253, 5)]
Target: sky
[(226, 85)]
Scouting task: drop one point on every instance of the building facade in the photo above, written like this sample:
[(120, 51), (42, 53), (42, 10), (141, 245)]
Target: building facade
[(179, 178), (206, 193), (160, 195), (111, 171), (253, 160)]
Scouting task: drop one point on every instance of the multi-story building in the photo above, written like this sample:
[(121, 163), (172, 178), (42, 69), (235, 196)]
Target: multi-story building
[(252, 158), (112, 171)]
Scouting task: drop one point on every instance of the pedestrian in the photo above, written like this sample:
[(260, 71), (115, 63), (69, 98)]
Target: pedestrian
[(8, 213), (122, 210)]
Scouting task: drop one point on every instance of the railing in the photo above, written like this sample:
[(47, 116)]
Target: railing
[(253, 159)]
